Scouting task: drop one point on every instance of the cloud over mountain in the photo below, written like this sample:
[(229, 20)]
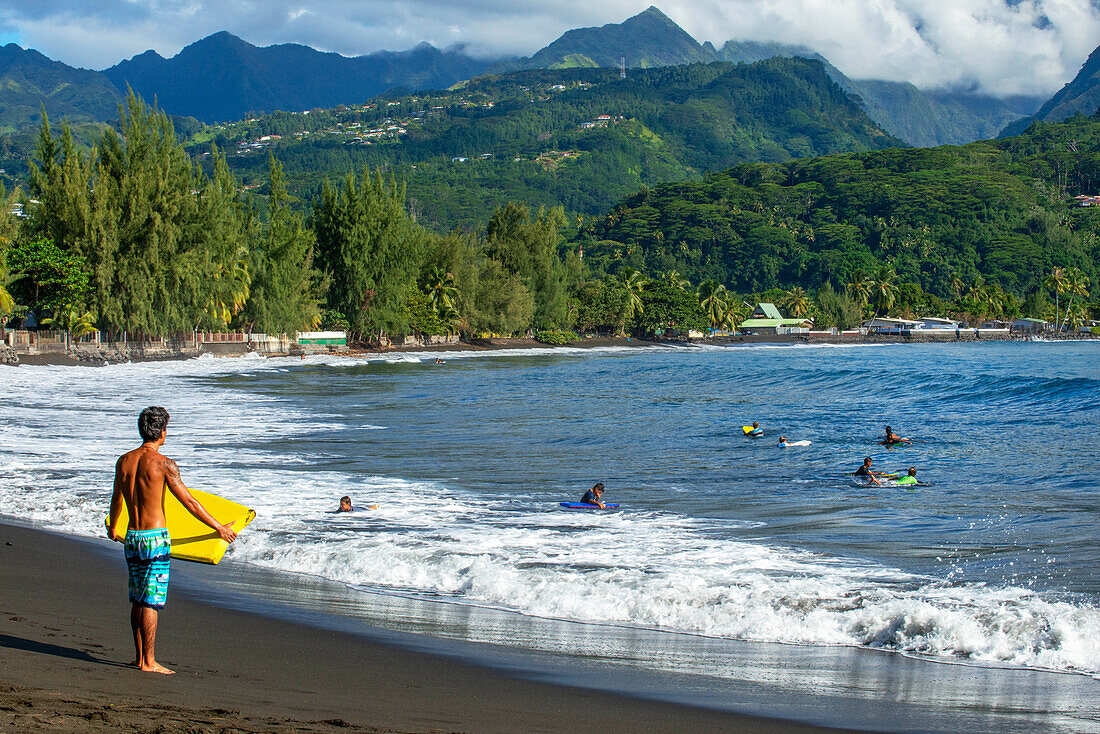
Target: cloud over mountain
[(1003, 47)]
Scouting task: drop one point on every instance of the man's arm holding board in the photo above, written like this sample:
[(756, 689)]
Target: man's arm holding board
[(183, 494), (117, 503)]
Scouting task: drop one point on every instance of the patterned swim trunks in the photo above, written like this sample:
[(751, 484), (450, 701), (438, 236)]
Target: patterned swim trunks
[(147, 555)]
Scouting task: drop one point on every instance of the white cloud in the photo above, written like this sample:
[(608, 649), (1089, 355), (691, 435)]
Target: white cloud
[(998, 46), (1025, 47)]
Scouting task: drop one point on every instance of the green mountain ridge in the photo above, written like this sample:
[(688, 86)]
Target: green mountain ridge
[(537, 136), (998, 210), (30, 82), (221, 78), (1081, 96)]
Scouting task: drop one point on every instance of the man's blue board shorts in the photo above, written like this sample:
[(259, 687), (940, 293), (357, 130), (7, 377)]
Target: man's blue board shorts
[(147, 555)]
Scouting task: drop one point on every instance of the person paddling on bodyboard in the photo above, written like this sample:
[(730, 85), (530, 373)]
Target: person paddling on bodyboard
[(592, 496), (910, 477), (892, 439), (865, 471), (784, 443)]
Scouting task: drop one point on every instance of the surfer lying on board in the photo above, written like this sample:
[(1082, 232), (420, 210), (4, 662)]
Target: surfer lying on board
[(910, 477), (865, 471), (140, 479), (592, 496), (892, 438)]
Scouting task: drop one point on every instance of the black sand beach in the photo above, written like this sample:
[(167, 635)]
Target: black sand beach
[(65, 643)]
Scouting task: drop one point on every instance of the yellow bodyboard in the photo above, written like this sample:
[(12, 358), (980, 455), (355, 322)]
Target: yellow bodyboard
[(749, 429), (192, 539)]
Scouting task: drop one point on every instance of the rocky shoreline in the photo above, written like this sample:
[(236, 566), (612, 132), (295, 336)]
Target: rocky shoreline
[(119, 353)]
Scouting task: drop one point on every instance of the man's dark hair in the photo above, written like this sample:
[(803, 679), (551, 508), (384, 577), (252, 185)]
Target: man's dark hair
[(866, 459), (152, 422), (599, 486), (344, 499)]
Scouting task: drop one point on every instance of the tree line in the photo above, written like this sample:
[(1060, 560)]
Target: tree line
[(132, 236)]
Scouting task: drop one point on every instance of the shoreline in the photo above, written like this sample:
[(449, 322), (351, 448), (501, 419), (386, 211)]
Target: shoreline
[(66, 359), (64, 650)]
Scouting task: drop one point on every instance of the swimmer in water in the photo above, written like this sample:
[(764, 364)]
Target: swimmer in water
[(592, 496)]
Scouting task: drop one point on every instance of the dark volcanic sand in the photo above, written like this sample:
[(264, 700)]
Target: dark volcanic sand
[(65, 642)]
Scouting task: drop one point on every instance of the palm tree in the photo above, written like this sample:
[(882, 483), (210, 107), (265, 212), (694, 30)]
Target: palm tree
[(883, 289), (233, 285), (797, 302), (634, 283), (736, 312), (980, 297), (957, 286), (1076, 284), (674, 279), (1056, 282), (712, 297), (72, 323), (440, 287), (7, 304), (1076, 316), (859, 288)]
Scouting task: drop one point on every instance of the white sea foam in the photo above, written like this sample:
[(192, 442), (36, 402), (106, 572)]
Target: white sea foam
[(63, 426)]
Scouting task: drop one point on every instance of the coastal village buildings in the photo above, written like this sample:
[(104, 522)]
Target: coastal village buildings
[(766, 319)]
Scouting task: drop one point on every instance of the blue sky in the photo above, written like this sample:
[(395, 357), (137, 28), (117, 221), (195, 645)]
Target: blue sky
[(1002, 47)]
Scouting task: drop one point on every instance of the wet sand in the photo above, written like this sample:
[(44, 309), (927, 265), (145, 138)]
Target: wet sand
[(65, 644)]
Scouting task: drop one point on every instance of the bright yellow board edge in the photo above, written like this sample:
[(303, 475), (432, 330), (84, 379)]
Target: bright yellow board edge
[(206, 547)]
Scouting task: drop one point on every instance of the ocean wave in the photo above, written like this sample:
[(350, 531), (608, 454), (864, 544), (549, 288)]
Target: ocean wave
[(654, 568)]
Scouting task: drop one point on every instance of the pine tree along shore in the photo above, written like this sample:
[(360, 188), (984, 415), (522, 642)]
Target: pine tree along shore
[(133, 236)]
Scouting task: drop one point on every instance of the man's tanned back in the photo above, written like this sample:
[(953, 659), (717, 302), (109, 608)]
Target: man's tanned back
[(140, 477)]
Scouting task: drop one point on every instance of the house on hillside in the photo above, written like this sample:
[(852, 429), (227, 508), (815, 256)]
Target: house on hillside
[(766, 319), (1085, 200)]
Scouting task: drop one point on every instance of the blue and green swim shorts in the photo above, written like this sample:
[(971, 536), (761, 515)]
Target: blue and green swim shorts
[(147, 555)]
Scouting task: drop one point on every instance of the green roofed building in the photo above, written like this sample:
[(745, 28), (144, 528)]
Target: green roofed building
[(329, 338), (766, 319)]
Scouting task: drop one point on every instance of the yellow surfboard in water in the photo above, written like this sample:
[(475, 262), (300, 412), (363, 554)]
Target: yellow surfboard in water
[(192, 539)]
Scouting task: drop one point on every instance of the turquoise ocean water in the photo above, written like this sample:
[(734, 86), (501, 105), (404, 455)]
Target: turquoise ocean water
[(726, 550)]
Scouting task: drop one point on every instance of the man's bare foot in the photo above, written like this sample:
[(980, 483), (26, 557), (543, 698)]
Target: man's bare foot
[(157, 668)]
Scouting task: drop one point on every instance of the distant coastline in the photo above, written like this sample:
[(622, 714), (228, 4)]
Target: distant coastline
[(101, 357)]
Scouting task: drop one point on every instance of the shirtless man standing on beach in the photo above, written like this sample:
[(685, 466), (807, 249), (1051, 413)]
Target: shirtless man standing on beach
[(140, 478)]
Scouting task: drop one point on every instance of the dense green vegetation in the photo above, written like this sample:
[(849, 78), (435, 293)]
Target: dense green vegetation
[(135, 236), (30, 82), (535, 137), (999, 211)]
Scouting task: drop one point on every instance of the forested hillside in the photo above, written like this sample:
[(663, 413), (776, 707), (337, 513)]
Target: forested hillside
[(30, 82), (132, 237), (580, 138), (998, 210)]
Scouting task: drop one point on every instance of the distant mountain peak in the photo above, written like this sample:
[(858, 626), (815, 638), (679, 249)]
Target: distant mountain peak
[(1081, 95), (647, 39)]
